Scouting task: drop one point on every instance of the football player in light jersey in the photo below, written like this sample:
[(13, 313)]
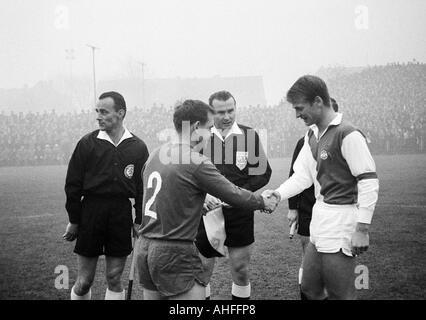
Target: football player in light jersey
[(336, 159), (300, 207)]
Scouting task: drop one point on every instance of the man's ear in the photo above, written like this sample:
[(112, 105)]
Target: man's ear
[(122, 113), (318, 101)]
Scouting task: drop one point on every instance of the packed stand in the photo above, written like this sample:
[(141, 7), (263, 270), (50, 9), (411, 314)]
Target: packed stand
[(386, 102)]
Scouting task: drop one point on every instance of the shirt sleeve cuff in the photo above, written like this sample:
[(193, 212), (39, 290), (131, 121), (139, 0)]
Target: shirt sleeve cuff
[(365, 215)]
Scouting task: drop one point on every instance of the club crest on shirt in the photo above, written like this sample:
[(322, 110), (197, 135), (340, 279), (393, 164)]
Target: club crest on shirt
[(128, 171), (324, 155), (241, 159)]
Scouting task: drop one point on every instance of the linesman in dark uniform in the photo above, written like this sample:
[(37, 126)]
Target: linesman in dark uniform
[(103, 173), (237, 153)]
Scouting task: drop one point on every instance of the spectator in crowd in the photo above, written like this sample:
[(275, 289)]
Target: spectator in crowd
[(393, 95)]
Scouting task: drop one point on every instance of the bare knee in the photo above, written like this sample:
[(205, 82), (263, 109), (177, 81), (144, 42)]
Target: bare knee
[(311, 292), (113, 278), (82, 285), (240, 272)]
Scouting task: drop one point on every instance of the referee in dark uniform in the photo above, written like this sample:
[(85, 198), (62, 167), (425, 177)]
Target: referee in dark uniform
[(103, 173), (237, 153), (300, 206)]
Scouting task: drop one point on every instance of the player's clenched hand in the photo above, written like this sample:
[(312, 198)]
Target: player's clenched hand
[(211, 202), (270, 203), (272, 193), (136, 230), (71, 232), (360, 240), (272, 197), (292, 216)]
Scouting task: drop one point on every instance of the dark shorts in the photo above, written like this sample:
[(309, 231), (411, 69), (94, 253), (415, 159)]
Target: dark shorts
[(169, 267), (105, 227), (304, 221), (239, 227)]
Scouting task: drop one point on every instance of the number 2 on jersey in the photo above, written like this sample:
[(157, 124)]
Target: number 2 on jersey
[(153, 176)]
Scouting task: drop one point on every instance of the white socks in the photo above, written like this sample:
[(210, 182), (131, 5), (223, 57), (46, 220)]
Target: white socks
[(111, 295), (87, 296), (242, 292)]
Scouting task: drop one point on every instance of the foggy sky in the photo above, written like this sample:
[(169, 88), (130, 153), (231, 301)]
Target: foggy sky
[(280, 40)]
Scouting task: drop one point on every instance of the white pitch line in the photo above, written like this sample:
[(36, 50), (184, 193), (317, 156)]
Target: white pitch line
[(403, 205), (37, 216)]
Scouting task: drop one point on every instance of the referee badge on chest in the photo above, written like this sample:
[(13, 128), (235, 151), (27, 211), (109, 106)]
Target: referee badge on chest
[(128, 171), (241, 159)]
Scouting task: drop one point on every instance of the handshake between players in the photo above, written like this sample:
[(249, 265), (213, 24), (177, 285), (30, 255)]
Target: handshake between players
[(271, 200)]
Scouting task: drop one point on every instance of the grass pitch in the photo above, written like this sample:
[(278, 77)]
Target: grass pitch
[(33, 219)]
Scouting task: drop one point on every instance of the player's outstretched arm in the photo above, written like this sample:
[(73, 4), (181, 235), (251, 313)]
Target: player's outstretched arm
[(212, 182), (302, 178)]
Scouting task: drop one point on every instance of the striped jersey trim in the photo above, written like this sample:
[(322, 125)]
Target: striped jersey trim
[(367, 175)]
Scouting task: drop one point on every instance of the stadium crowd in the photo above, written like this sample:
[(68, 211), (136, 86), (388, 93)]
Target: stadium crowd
[(386, 102)]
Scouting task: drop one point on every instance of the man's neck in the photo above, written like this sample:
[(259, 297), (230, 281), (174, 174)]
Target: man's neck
[(116, 134), (179, 139), (329, 116), (225, 131)]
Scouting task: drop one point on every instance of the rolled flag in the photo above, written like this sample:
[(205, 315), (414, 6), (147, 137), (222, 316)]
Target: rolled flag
[(292, 229), (211, 236)]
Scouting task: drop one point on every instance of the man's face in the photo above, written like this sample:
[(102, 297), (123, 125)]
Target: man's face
[(309, 113), (107, 117), (225, 113)]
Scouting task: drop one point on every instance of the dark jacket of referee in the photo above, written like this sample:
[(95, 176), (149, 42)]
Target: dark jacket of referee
[(237, 155), (99, 169), (241, 159)]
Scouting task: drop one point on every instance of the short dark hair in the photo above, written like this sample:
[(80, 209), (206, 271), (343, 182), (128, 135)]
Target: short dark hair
[(119, 102), (306, 88), (334, 104), (192, 111), (221, 96)]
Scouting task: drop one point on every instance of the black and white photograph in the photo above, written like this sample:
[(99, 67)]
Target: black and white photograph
[(225, 152)]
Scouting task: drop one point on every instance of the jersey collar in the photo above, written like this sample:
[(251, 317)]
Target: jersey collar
[(235, 129), (335, 122), (104, 136)]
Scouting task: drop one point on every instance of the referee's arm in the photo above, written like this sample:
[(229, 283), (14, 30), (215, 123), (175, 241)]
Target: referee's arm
[(74, 183)]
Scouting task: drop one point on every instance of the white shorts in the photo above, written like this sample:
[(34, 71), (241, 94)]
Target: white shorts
[(332, 227)]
